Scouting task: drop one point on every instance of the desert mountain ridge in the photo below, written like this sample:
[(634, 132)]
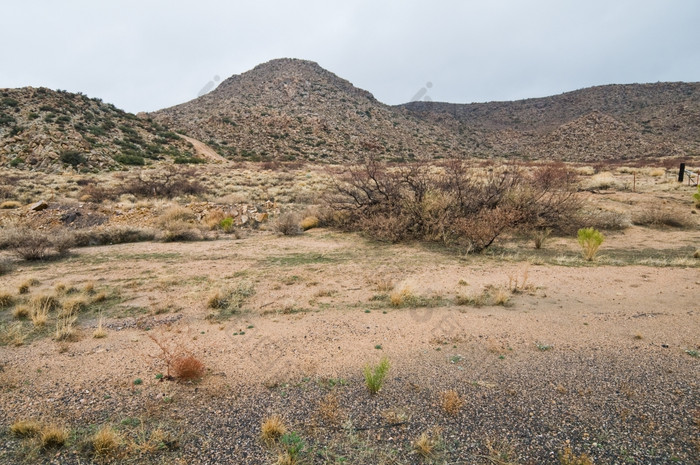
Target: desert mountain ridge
[(291, 109)]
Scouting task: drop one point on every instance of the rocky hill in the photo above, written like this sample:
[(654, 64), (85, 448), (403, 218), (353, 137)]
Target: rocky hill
[(289, 109), (294, 109), (55, 130), (613, 122)]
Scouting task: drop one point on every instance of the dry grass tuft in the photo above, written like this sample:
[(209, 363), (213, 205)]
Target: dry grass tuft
[(25, 428), (7, 300), (451, 402), (384, 284), (309, 222), (106, 441), (187, 367), (26, 285), (401, 296), (20, 312), (73, 306), (45, 301), (89, 287), (329, 409), (12, 334), (52, 436), (567, 457), (502, 452), (428, 443), (272, 428), (100, 332), (39, 314), (10, 204), (65, 331)]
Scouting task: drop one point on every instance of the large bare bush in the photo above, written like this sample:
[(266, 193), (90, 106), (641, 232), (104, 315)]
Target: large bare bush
[(32, 244), (453, 203)]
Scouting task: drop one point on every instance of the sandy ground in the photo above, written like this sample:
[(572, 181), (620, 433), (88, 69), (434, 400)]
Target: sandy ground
[(574, 336)]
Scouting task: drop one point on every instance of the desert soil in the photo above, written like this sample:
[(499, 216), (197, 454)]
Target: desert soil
[(595, 357)]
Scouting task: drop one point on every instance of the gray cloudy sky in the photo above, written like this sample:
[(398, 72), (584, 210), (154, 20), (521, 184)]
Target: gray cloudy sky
[(144, 55)]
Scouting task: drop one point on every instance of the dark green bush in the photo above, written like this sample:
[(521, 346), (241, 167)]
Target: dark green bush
[(72, 157), (130, 159)]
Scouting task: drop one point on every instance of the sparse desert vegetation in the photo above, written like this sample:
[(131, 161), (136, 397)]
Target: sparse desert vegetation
[(189, 323)]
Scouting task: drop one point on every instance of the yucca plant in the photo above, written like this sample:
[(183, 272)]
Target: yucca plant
[(374, 375), (590, 239)]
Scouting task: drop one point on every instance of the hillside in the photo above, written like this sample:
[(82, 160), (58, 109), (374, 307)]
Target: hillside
[(599, 123), (53, 130), (289, 109)]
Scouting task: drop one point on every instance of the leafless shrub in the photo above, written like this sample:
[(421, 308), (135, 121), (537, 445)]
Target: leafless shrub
[(188, 367), (112, 235), (456, 203), (179, 362), (602, 219), (288, 224), (169, 182), (661, 217), (31, 244), (5, 266)]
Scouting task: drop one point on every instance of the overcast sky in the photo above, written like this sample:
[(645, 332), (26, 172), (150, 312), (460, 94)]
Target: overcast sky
[(145, 55)]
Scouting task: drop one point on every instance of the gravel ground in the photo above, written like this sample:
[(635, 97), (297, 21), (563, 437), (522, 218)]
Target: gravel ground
[(638, 406)]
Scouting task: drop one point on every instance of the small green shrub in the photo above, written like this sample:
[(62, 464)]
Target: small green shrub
[(696, 196), (72, 157), (226, 224), (130, 159), (590, 239), (374, 375)]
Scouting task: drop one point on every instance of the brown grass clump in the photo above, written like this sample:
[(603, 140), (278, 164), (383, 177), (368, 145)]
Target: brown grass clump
[(21, 312), (39, 314), (89, 287), (9, 204), (502, 452), (272, 428), (401, 296), (26, 285), (309, 222), (176, 213), (46, 301), (73, 306), (567, 457), (7, 300), (329, 409), (157, 440), (106, 441), (213, 219), (100, 332), (187, 367), (427, 443), (12, 334), (451, 402), (286, 458), (25, 428), (52, 436), (65, 331)]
